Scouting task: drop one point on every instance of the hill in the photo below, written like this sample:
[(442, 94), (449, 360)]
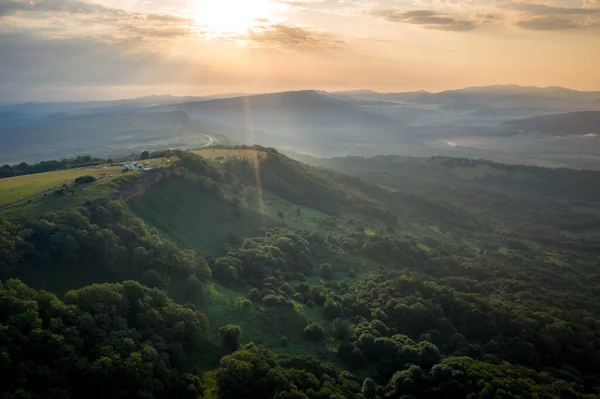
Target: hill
[(101, 134), (11, 114), (478, 104), (363, 122), (573, 123), (98, 134), (244, 273), (301, 115)]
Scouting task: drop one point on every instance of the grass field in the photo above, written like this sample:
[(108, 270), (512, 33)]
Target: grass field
[(35, 193), (14, 189), (227, 153), (194, 219)]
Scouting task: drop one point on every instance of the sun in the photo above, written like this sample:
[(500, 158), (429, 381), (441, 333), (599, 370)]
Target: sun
[(231, 16)]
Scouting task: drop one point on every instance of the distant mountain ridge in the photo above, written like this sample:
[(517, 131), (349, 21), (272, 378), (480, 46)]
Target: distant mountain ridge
[(296, 114), (572, 123), (355, 122), (498, 89)]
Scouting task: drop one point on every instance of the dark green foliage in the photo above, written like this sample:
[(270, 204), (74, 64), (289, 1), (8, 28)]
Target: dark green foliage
[(49, 166), (109, 340), (227, 269), (465, 377), (332, 310), (85, 179), (229, 336), (279, 251), (493, 296), (314, 332), (315, 188), (105, 240), (341, 330), (10, 243), (200, 166), (254, 372), (460, 324), (369, 389), (326, 271), (254, 295)]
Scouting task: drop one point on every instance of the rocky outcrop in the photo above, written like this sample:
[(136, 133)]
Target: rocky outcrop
[(136, 185)]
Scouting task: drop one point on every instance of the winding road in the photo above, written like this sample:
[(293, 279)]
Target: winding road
[(212, 140)]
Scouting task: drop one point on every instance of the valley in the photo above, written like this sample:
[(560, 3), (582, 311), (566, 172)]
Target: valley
[(552, 127)]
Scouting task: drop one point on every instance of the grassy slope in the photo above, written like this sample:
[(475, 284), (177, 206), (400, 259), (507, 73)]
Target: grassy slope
[(34, 194), (196, 221), (230, 153), (193, 219), (18, 188)]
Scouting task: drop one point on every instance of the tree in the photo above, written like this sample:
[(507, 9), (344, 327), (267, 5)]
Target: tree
[(85, 179), (369, 389), (341, 330), (145, 155), (227, 269), (193, 286), (90, 345), (229, 336), (332, 309), (314, 332), (326, 271), (254, 295)]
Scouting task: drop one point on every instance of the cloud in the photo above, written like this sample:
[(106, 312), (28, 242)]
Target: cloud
[(544, 9), (544, 17), (547, 23), (30, 59), (8, 7), (286, 36), (81, 16), (305, 4), (437, 20)]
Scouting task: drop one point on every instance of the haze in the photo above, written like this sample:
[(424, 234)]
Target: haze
[(73, 50)]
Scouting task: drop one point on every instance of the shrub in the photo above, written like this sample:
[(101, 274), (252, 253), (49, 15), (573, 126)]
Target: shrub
[(85, 179), (229, 336), (340, 329), (273, 300), (326, 271), (245, 304), (332, 309), (254, 295), (314, 332)]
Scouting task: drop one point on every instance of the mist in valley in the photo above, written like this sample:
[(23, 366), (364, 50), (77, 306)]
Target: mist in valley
[(550, 127)]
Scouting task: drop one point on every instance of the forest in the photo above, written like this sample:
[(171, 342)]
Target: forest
[(241, 277)]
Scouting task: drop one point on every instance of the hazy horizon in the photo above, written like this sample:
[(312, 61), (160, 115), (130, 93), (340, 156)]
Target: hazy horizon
[(125, 97)]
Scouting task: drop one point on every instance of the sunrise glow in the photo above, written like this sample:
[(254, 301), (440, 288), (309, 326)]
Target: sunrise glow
[(232, 16)]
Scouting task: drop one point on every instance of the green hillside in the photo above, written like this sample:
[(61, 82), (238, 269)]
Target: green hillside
[(247, 274), (201, 222)]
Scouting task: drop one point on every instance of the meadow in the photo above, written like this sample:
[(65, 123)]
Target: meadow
[(231, 153), (38, 193), (20, 188)]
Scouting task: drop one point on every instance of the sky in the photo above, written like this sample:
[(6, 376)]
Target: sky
[(106, 49)]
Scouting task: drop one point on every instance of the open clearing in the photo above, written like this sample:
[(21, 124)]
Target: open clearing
[(229, 153), (21, 188), (15, 189)]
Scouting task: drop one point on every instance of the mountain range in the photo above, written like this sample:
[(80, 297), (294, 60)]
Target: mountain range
[(572, 123), (477, 122)]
